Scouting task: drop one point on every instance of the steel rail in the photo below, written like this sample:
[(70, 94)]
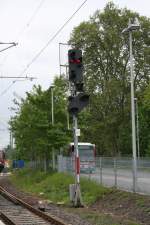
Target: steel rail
[(47, 217), (6, 219)]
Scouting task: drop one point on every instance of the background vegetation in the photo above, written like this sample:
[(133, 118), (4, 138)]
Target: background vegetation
[(107, 121), (55, 186)]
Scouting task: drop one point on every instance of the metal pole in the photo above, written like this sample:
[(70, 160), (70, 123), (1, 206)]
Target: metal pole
[(67, 76), (78, 198), (137, 128), (133, 117), (59, 61), (68, 126), (115, 172), (52, 102), (76, 149), (52, 112), (100, 162), (10, 140)]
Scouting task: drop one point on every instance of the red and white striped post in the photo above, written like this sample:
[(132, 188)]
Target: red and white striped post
[(77, 168), (78, 199)]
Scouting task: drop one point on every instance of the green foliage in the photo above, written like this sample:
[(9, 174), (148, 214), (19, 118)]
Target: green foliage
[(92, 191), (107, 75), (144, 122), (107, 121), (102, 219), (55, 186), (32, 127)]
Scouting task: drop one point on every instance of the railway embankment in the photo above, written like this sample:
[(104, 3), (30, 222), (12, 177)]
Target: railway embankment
[(103, 206)]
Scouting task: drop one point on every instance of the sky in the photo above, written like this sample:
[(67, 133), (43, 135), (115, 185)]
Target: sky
[(32, 24)]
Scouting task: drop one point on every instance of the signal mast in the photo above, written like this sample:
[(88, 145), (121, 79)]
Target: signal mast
[(78, 100)]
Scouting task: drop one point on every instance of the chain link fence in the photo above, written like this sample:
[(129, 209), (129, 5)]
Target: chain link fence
[(113, 172)]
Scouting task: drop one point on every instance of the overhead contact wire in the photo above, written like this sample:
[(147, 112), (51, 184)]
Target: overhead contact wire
[(32, 17), (27, 25), (51, 39), (3, 92), (45, 46)]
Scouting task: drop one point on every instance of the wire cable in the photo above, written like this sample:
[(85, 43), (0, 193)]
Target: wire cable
[(32, 17), (26, 25), (45, 46), (3, 92), (51, 39), (22, 30), (12, 45)]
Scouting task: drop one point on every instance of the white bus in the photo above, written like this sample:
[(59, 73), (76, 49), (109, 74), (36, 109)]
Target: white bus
[(87, 154)]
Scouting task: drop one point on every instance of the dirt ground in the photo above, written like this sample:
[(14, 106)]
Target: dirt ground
[(119, 204), (58, 211), (126, 205)]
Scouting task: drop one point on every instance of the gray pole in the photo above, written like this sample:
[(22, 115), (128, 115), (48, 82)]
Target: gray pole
[(137, 128), (52, 112), (52, 102), (78, 198), (75, 127), (133, 117), (67, 76), (138, 140), (10, 140), (68, 125)]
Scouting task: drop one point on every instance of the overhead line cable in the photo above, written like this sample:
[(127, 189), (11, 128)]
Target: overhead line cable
[(14, 81), (34, 14), (45, 46), (3, 92), (1, 122), (51, 39), (27, 24), (12, 45), (32, 17)]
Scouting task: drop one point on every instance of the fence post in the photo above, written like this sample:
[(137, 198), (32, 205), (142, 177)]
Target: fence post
[(89, 170), (115, 172), (100, 166), (134, 171)]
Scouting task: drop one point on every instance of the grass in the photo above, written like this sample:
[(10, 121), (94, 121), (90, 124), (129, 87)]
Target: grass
[(97, 218), (55, 186), (101, 219)]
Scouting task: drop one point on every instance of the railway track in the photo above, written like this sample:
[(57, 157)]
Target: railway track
[(14, 211)]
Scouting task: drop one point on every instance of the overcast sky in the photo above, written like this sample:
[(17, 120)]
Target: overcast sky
[(32, 23)]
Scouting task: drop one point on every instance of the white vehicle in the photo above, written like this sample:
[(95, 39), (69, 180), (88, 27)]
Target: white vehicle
[(2, 160), (87, 154)]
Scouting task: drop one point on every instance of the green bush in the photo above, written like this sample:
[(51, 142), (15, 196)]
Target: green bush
[(55, 186)]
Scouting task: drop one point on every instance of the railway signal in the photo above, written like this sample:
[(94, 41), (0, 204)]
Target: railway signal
[(76, 68), (77, 102)]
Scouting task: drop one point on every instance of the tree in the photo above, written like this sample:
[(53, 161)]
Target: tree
[(144, 122), (107, 77), (32, 128)]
